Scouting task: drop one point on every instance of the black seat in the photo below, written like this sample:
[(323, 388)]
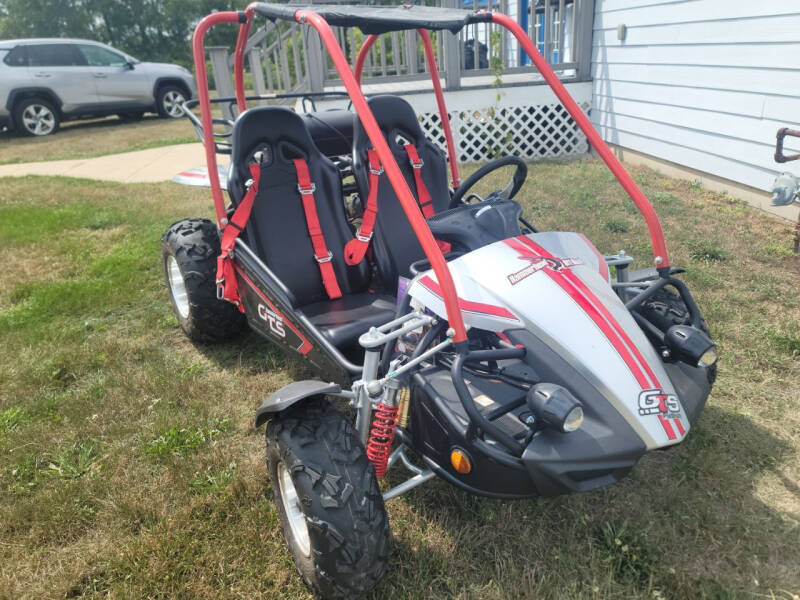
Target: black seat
[(394, 243), (277, 231)]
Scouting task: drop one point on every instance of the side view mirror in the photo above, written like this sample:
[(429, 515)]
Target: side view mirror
[(130, 65)]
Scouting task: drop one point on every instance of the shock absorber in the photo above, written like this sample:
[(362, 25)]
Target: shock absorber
[(381, 435)]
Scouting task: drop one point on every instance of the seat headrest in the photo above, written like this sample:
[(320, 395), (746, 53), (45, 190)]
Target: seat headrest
[(394, 116), (282, 131)]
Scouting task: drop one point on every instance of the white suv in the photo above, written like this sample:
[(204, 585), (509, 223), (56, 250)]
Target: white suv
[(46, 81)]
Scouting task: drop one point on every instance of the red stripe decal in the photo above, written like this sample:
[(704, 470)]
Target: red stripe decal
[(306, 346), (608, 317), (667, 427), (602, 317), (603, 266), (588, 308), (615, 324), (188, 174), (476, 307)]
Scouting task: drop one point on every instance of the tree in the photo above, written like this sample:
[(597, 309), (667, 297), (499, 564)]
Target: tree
[(158, 30)]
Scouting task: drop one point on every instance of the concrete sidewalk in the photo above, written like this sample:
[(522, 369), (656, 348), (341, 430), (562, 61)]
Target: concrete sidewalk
[(141, 166)]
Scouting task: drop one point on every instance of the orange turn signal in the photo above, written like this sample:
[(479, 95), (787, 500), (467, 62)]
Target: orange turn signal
[(460, 461)]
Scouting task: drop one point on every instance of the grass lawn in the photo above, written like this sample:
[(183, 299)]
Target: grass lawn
[(129, 466), (84, 139)]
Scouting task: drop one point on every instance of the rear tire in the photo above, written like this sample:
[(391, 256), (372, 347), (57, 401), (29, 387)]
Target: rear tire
[(328, 500), (36, 117), (189, 251)]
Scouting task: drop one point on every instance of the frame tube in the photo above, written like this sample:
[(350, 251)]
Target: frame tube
[(626, 181), (430, 59), (358, 68), (393, 172), (199, 51), (238, 61)]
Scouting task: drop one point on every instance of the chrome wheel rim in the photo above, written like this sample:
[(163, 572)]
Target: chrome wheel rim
[(291, 507), (172, 103), (38, 119), (177, 287)]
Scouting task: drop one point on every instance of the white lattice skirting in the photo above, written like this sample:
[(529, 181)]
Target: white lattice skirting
[(528, 131), (526, 121)]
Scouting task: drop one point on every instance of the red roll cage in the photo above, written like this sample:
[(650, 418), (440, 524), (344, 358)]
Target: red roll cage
[(317, 17)]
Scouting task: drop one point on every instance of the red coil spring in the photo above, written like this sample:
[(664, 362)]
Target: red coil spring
[(381, 436)]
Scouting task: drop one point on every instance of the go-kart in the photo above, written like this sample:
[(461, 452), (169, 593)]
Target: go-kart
[(446, 333)]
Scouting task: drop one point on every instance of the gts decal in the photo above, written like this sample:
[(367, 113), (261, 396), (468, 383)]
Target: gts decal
[(275, 321), (656, 402)]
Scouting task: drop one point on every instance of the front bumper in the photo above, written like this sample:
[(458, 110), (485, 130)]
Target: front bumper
[(595, 455), (5, 121), (600, 453)]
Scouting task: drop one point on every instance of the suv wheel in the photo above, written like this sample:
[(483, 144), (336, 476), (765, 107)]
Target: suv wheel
[(169, 100), (36, 117)]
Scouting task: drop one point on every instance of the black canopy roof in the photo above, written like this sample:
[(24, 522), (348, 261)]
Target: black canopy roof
[(379, 19)]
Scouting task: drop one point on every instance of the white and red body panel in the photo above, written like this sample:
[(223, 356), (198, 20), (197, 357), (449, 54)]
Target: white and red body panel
[(556, 285)]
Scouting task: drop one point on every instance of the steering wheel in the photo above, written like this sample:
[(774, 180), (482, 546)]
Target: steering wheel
[(507, 192)]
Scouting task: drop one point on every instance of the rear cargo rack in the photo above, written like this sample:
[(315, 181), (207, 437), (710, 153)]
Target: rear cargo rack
[(221, 145)]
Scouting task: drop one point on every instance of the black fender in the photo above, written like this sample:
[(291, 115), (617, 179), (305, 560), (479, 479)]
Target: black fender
[(292, 394), (26, 92)]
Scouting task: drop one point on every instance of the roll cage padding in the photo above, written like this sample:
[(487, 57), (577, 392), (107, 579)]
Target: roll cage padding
[(394, 244), (277, 231)]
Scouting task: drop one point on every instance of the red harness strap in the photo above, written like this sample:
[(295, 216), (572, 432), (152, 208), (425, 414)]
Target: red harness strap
[(227, 287), (423, 196), (321, 253), (356, 248)]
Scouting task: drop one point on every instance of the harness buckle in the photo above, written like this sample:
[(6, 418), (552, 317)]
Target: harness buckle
[(363, 238), (307, 191), (417, 165), (324, 259), (221, 289), (379, 171)]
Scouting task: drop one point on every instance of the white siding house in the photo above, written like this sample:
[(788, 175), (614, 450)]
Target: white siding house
[(703, 84)]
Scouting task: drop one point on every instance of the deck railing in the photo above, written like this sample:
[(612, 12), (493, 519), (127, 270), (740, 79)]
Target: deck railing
[(286, 57)]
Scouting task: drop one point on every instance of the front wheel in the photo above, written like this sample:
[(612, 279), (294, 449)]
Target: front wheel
[(328, 500), (169, 101), (189, 251)]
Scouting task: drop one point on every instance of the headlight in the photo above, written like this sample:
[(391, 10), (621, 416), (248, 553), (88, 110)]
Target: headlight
[(574, 419), (691, 345), (555, 406), (709, 357)]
